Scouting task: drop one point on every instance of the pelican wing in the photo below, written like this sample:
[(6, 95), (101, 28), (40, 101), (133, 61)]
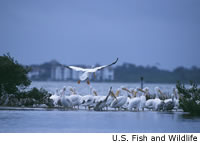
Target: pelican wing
[(102, 67), (76, 68), (91, 69)]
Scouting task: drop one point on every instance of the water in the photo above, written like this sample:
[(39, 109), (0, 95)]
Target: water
[(95, 122), (102, 88), (54, 120)]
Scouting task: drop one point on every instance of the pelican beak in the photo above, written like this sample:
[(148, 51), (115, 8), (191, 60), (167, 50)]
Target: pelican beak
[(95, 93), (135, 92), (141, 90), (160, 91), (113, 95), (126, 89)]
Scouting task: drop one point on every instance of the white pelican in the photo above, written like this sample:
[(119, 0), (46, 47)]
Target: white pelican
[(89, 100), (119, 101), (75, 98), (65, 101), (87, 71), (110, 99), (158, 104), (176, 99), (171, 103), (143, 97), (55, 97), (102, 103), (129, 91), (135, 102), (149, 104)]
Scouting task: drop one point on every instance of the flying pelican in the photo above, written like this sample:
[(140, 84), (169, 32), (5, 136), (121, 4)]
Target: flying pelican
[(86, 71)]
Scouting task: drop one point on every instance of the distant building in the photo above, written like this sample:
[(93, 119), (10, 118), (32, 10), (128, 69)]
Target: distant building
[(58, 73), (67, 74), (75, 75), (33, 74), (108, 74)]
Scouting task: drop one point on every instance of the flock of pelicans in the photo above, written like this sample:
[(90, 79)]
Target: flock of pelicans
[(123, 99)]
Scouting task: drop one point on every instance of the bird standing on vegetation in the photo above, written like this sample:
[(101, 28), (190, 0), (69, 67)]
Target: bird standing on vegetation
[(86, 71)]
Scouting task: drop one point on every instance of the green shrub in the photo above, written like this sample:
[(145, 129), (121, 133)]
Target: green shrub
[(190, 98), (13, 76)]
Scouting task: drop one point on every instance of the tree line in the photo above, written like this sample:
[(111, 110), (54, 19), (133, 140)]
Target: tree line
[(132, 73)]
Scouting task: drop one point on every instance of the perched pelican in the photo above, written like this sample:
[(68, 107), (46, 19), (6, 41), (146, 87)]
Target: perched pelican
[(176, 99), (75, 98), (102, 103), (65, 101), (149, 104), (129, 91), (158, 104), (55, 97), (143, 97), (119, 101), (87, 71), (135, 101), (89, 100), (110, 99), (171, 102)]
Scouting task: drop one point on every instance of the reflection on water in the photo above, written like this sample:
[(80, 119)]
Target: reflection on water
[(91, 121)]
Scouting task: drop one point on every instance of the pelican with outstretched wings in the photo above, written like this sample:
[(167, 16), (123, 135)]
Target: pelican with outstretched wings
[(87, 71)]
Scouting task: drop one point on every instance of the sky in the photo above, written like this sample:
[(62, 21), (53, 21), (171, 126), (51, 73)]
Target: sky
[(162, 33)]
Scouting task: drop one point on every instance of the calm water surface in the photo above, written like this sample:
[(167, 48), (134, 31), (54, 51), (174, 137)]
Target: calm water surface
[(96, 122)]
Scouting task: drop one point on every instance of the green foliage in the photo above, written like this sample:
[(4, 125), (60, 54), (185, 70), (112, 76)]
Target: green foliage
[(38, 94), (34, 93), (190, 98), (13, 76)]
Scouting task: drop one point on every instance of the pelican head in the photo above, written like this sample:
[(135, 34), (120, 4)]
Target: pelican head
[(94, 92), (146, 90), (157, 89), (57, 91), (134, 92), (64, 88)]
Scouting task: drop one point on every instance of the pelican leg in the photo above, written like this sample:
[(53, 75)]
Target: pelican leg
[(88, 82), (78, 81), (94, 75)]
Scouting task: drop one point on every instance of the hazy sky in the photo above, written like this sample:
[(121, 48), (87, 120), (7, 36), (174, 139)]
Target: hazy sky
[(165, 33)]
